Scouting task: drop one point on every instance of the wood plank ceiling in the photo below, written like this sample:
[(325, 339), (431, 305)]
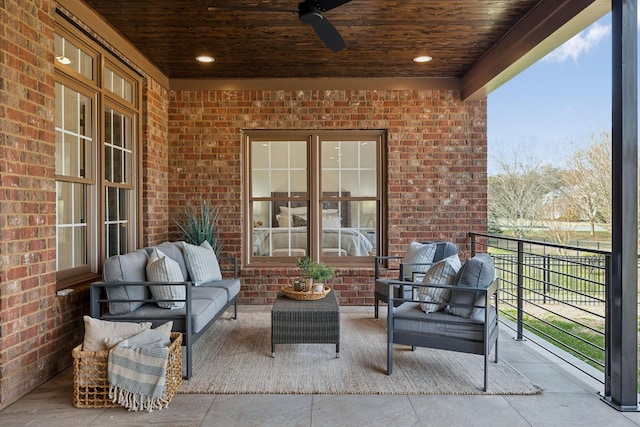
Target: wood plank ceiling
[(382, 37)]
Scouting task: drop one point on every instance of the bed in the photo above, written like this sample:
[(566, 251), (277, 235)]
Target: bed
[(287, 235)]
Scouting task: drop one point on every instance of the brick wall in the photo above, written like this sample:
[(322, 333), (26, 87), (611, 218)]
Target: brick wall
[(155, 220), (32, 320), (437, 153)]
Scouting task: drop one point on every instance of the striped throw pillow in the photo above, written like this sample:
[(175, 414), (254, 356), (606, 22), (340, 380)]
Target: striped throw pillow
[(441, 273), (202, 263), (161, 268)]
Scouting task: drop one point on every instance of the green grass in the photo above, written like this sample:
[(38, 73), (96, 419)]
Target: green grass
[(588, 353)]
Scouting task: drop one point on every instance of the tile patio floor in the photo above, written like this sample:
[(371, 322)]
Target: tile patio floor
[(570, 399)]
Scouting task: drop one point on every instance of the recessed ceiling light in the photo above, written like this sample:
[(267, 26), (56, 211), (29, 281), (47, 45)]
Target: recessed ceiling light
[(205, 58), (423, 58)]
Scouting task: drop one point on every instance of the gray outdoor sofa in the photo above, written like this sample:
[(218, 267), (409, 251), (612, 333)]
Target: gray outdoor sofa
[(126, 295)]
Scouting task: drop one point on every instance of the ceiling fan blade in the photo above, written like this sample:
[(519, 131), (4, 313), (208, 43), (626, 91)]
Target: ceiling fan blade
[(328, 34), (325, 5)]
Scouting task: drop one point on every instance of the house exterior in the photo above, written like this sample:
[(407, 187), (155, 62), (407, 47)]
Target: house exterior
[(187, 145)]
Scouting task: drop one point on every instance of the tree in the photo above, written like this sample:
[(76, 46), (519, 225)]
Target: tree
[(588, 181), (516, 193)]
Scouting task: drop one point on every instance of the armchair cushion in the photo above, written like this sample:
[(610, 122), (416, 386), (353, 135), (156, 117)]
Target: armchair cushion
[(477, 272), (443, 272), (417, 253)]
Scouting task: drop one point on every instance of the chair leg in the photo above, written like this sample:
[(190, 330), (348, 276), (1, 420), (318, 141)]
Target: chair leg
[(375, 306)]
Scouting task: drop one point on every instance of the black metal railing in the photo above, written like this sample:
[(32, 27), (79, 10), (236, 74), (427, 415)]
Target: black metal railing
[(556, 292)]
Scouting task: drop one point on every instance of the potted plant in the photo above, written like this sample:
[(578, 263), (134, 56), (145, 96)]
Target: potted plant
[(314, 273), (199, 223)]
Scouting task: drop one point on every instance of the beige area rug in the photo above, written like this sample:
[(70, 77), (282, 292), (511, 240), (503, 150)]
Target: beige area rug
[(234, 356)]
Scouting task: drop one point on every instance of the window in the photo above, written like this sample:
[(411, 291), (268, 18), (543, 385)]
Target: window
[(96, 178), (316, 194)]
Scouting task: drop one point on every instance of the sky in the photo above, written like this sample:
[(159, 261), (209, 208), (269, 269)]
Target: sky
[(554, 107)]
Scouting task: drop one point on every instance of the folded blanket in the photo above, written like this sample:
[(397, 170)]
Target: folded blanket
[(137, 371)]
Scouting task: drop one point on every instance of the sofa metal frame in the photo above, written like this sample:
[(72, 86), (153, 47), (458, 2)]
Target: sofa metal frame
[(98, 303)]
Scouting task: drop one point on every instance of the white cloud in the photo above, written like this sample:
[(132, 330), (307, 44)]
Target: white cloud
[(580, 43)]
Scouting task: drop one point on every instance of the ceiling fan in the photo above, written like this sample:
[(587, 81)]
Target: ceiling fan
[(310, 12)]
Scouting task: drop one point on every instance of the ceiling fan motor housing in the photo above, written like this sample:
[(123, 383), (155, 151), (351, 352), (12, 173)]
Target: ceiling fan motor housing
[(309, 12)]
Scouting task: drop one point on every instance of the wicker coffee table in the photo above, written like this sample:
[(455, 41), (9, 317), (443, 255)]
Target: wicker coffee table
[(305, 322)]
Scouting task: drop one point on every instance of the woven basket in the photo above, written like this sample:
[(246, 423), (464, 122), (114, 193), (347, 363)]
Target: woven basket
[(91, 382), (305, 296)]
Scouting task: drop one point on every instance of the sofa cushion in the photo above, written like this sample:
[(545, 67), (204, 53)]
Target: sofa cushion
[(442, 272), (477, 272), (417, 253), (204, 308), (126, 268), (202, 263), (96, 331), (231, 286), (161, 268)]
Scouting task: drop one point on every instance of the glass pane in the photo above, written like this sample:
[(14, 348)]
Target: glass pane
[(349, 157), (71, 110), (59, 105), (80, 246), (259, 155), (260, 183), (64, 256), (113, 234), (117, 84), (330, 180), (123, 201), (69, 55), (112, 204), (368, 183), (123, 239), (116, 135), (280, 181), (59, 152), (71, 224), (127, 132), (261, 214), (108, 163), (117, 165), (298, 157), (279, 154), (64, 205)]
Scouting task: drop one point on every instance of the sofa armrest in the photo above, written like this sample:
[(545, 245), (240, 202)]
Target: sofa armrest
[(98, 298)]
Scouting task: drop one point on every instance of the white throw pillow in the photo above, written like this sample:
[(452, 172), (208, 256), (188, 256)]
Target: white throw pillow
[(418, 253), (96, 331), (165, 328), (202, 263), (441, 273), (330, 220), (161, 268)]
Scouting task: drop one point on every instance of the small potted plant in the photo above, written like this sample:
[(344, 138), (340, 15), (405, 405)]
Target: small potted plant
[(315, 273)]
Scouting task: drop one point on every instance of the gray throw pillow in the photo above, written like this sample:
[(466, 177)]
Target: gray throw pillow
[(477, 272), (126, 268)]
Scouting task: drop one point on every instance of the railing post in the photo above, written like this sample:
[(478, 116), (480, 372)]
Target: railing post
[(607, 327), (520, 292), (546, 278)]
